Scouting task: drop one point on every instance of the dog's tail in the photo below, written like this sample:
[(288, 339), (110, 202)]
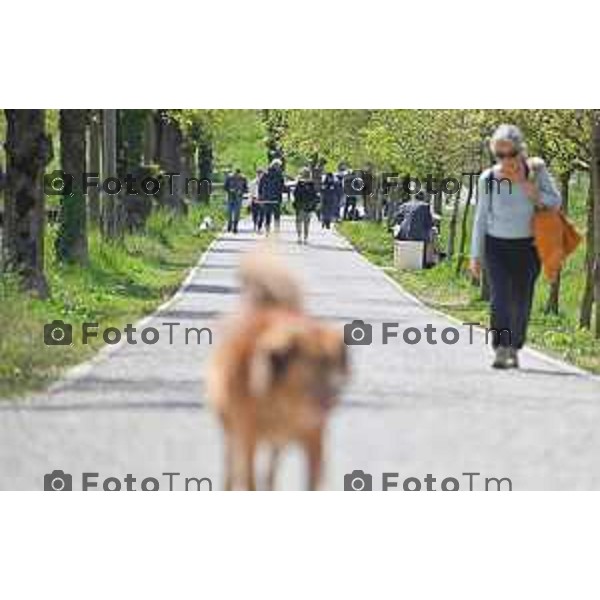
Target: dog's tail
[(268, 282)]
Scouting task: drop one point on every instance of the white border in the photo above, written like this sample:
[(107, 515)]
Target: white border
[(299, 546), (300, 54)]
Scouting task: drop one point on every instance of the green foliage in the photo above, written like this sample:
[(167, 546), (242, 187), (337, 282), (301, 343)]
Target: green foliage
[(430, 141), (371, 239), (239, 141), (2, 138)]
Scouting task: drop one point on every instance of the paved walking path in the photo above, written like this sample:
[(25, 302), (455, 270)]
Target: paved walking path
[(411, 409)]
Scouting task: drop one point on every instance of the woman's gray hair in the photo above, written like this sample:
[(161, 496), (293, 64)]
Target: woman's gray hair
[(508, 133)]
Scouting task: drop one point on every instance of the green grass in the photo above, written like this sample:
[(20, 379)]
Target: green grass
[(440, 288), (123, 282)]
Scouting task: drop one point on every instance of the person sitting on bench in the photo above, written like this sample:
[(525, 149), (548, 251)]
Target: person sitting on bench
[(414, 221)]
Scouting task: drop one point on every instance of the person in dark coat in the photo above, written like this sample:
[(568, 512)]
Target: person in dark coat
[(236, 186), (330, 194), (271, 192), (340, 177), (414, 220), (348, 202), (255, 201), (305, 203)]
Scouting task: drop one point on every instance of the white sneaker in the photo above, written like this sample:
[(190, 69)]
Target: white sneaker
[(503, 358), (513, 358)]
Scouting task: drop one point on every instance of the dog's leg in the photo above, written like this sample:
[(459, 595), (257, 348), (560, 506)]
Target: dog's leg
[(249, 464), (272, 467), (228, 462), (313, 445), (244, 451)]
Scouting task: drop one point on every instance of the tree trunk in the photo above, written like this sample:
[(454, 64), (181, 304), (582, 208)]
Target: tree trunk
[(189, 189), (110, 217), (463, 227), (71, 242), (94, 164), (27, 153), (587, 302), (205, 167), (205, 160), (150, 138), (596, 218), (453, 227), (130, 137), (552, 305), (438, 198), (169, 156)]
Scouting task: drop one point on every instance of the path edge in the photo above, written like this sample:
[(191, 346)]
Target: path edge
[(80, 370), (557, 362)]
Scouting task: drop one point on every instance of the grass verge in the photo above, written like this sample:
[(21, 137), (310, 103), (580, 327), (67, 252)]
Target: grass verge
[(123, 282), (558, 335)]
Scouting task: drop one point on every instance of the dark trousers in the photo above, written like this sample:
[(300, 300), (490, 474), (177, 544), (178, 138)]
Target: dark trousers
[(349, 207), (302, 222), (271, 211), (234, 207), (257, 218), (513, 267)]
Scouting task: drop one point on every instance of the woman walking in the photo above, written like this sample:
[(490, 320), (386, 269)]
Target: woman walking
[(305, 202), (509, 194)]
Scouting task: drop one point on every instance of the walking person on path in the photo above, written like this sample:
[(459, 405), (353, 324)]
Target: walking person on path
[(236, 186), (270, 190), (339, 176), (350, 202), (305, 202), (255, 201), (330, 194), (502, 236)]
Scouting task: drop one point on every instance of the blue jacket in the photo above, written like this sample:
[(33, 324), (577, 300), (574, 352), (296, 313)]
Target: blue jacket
[(504, 210), (235, 186)]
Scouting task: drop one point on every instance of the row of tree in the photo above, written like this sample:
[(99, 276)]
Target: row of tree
[(111, 143), (150, 143), (447, 143)]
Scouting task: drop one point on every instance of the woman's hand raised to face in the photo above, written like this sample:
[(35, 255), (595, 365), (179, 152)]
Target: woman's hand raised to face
[(513, 169)]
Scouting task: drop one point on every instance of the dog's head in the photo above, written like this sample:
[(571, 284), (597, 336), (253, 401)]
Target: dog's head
[(301, 360)]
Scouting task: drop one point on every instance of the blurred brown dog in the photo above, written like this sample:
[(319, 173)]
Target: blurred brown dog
[(275, 376)]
